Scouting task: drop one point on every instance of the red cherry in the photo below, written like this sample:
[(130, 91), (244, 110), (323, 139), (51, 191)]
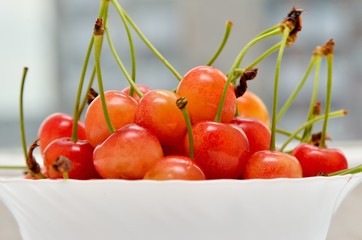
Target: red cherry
[(272, 164), (175, 167), (250, 105), (121, 108), (256, 131), (157, 111), (315, 160), (143, 88), (80, 154), (57, 125), (203, 87), (220, 149), (128, 153)]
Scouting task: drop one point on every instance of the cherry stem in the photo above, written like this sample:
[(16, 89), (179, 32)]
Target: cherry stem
[(269, 30), (310, 122), (236, 65), (98, 35), (181, 104), (120, 64), (65, 175), (229, 25), (85, 99), (328, 99), (76, 115), (22, 128), (146, 41), (14, 167), (297, 90), (353, 170), (281, 131), (276, 84), (308, 130)]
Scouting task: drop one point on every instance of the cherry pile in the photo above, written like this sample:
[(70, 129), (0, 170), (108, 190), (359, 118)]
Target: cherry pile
[(209, 127)]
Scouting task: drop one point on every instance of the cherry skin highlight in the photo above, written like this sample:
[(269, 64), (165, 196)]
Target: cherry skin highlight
[(268, 164), (122, 109), (256, 131), (58, 125), (80, 153), (143, 88), (157, 111), (128, 153), (220, 149), (250, 105), (203, 87), (175, 168), (315, 160)]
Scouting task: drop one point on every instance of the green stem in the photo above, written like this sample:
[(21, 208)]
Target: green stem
[(313, 100), (14, 167), (65, 175), (128, 77), (85, 99), (264, 55), (312, 121), (269, 30), (229, 25), (356, 169), (97, 52), (22, 128), (146, 41), (296, 91), (276, 84), (328, 99), (236, 65), (181, 104), (281, 131)]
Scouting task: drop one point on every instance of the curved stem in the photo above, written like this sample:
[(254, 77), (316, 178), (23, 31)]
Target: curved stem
[(128, 77), (236, 65), (328, 99), (269, 30), (181, 104), (264, 55), (281, 131), (146, 41), (276, 84), (22, 128), (312, 121), (356, 169), (296, 91), (229, 25), (85, 99)]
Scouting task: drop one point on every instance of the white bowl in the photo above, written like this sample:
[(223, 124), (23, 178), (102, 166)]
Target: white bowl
[(214, 209)]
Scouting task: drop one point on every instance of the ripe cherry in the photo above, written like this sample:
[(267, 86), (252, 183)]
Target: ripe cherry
[(203, 87), (121, 108), (220, 149), (143, 88), (58, 125), (175, 167), (79, 153), (250, 105), (256, 131), (315, 160), (128, 153)]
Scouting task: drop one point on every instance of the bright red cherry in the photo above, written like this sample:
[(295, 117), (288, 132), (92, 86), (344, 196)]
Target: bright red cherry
[(250, 105), (268, 164), (175, 167), (80, 154), (315, 160), (121, 108), (220, 149), (143, 88), (203, 87), (256, 131), (57, 125), (128, 153), (157, 111)]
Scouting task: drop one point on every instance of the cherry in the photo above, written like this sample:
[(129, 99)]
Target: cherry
[(203, 87), (128, 153), (315, 160), (220, 149), (56, 126), (122, 109), (143, 88), (250, 105), (256, 131), (79, 153), (272, 164), (175, 167)]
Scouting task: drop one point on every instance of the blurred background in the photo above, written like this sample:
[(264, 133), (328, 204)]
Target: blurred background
[(51, 38)]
